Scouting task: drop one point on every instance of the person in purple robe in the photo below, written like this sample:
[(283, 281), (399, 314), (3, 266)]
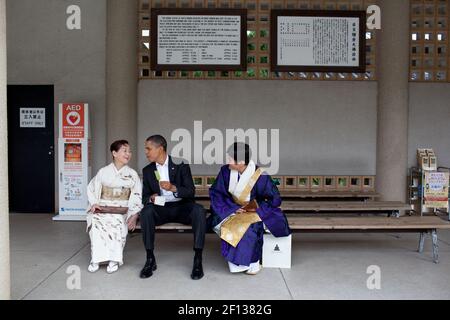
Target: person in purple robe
[(241, 188)]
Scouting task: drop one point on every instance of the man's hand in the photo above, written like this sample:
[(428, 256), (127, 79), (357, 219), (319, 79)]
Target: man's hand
[(241, 210), (94, 207), (251, 206), (131, 222), (152, 198), (166, 185)]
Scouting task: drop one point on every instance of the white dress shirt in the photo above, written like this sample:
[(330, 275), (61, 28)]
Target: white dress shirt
[(163, 171)]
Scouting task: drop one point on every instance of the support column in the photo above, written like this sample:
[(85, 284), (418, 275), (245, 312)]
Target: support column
[(5, 286), (393, 90), (122, 73)]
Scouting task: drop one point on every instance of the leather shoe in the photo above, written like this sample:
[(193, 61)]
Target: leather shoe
[(197, 270), (147, 271)]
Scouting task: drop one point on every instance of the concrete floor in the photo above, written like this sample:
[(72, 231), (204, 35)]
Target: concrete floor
[(324, 266)]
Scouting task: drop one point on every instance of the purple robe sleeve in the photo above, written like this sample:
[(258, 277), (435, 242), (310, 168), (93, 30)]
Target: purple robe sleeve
[(269, 207), (222, 202)]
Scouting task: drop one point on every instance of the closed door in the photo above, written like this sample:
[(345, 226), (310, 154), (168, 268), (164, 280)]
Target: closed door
[(31, 153)]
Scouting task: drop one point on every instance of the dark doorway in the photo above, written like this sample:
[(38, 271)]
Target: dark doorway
[(31, 153)]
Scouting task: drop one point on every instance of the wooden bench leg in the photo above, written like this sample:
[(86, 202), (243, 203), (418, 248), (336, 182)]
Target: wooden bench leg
[(421, 242), (434, 241), (435, 246)]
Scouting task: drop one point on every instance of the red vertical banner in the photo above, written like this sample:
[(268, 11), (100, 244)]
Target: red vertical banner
[(73, 121)]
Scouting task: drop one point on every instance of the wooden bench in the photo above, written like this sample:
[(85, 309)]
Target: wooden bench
[(384, 207), (391, 208), (379, 207), (299, 194), (422, 225)]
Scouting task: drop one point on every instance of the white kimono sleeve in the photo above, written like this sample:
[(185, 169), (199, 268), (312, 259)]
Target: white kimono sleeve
[(94, 190), (135, 200)]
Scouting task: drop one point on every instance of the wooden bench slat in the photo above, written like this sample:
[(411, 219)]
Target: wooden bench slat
[(336, 205), (343, 223), (367, 223), (344, 206), (173, 226)]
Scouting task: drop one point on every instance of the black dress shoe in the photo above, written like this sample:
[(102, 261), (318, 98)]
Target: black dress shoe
[(197, 270), (148, 269)]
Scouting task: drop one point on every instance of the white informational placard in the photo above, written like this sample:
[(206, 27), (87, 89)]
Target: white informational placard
[(73, 161), (436, 189), (32, 117), (318, 41), (199, 40)]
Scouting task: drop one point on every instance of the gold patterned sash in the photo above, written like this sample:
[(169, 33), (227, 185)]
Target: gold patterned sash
[(236, 226), (233, 229), (115, 194)]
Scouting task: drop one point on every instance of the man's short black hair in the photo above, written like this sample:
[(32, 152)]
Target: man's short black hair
[(159, 140), (239, 151)]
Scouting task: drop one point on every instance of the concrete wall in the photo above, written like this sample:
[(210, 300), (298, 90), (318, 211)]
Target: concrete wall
[(41, 50), (429, 121), (325, 127)]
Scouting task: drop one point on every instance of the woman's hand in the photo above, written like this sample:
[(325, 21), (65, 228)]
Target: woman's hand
[(131, 222), (241, 210), (94, 207), (153, 196)]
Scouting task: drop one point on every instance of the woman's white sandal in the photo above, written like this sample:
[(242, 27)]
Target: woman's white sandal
[(93, 267), (112, 267)]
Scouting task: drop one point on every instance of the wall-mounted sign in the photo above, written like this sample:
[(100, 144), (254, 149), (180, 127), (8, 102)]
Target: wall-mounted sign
[(198, 39), (318, 40), (73, 122), (32, 117)]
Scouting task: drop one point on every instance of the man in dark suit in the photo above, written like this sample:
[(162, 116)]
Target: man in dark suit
[(168, 196)]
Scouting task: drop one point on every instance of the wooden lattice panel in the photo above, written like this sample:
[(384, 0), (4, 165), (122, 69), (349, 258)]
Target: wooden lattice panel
[(308, 183), (429, 49), (258, 47)]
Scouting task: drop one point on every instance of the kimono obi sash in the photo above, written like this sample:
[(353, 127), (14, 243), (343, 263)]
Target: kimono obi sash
[(115, 194), (234, 228)]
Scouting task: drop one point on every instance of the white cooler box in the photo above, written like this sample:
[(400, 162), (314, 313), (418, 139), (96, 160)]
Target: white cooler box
[(277, 251)]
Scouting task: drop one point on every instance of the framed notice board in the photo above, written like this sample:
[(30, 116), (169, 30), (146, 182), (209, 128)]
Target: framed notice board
[(198, 39), (318, 40)]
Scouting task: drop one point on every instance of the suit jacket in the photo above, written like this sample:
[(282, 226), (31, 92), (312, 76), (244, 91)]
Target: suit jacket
[(179, 175)]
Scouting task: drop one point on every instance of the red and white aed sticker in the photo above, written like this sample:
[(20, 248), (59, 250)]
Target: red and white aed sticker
[(73, 121)]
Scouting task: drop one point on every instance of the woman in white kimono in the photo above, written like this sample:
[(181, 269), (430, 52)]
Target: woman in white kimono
[(118, 186)]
